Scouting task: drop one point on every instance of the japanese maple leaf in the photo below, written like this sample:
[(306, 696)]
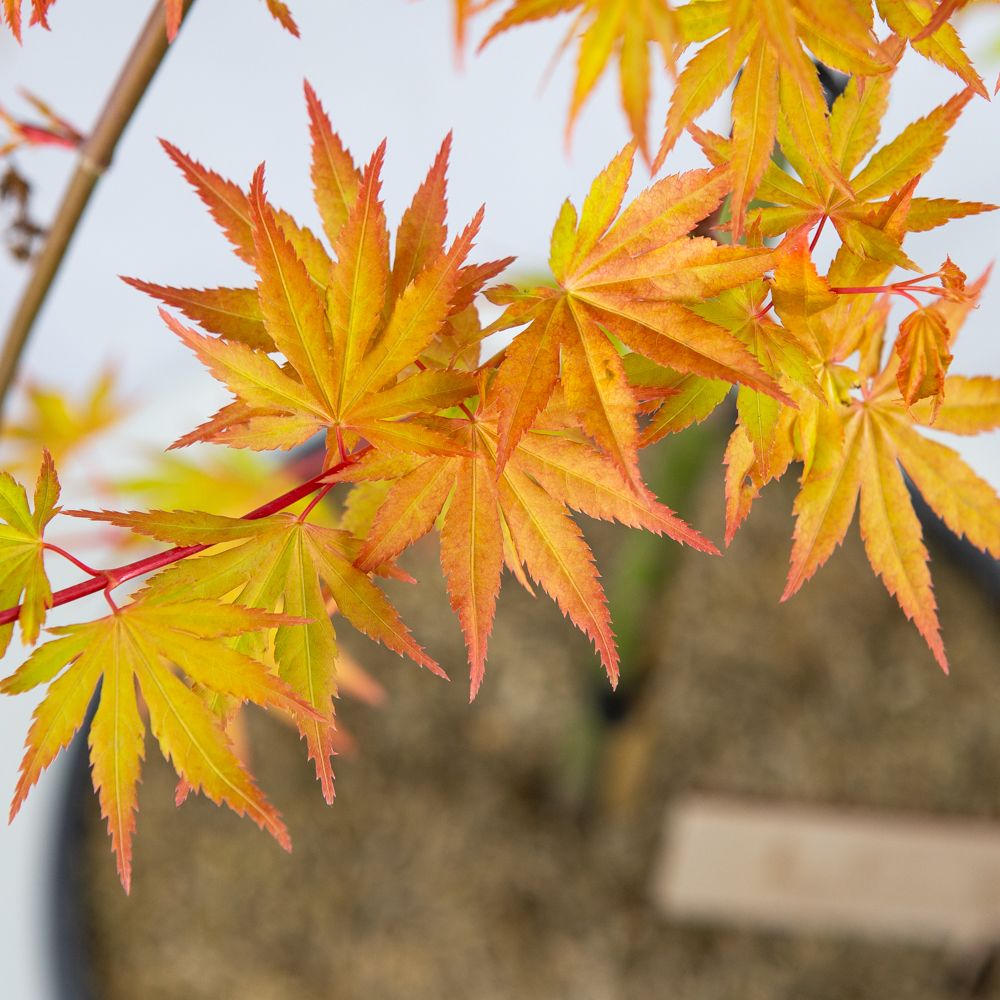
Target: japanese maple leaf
[(350, 327), (619, 29), (141, 645), (790, 360), (760, 447), (631, 276), (22, 549), (924, 25), (923, 343), (854, 128), (858, 448), (281, 562), (673, 400), (765, 43), (861, 451), (854, 444), (829, 319), (49, 419), (516, 514)]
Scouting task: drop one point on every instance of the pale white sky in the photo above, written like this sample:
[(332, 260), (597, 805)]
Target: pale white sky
[(230, 93)]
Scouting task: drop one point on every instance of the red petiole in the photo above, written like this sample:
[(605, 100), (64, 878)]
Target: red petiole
[(818, 233), (79, 564), (904, 288), (106, 580)]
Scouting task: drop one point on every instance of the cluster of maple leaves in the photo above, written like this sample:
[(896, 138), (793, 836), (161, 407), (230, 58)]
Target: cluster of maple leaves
[(644, 330)]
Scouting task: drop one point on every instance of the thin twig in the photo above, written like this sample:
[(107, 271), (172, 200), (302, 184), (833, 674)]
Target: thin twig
[(78, 563), (95, 157), (311, 506), (121, 574)]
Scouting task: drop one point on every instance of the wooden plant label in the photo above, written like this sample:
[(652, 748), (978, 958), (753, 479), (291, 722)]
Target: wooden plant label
[(794, 868)]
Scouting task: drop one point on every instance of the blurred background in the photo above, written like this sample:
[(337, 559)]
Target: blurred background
[(508, 849)]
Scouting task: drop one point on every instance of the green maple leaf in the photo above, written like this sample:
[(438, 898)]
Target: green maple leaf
[(274, 562), (140, 645), (22, 569)]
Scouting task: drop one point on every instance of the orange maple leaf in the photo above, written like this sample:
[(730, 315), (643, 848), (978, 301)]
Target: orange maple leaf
[(280, 563), (633, 275), (357, 332), (608, 29), (139, 645), (857, 448), (515, 513)]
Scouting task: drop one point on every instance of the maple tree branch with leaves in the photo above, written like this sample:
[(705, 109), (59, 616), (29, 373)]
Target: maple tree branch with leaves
[(374, 346), (109, 579)]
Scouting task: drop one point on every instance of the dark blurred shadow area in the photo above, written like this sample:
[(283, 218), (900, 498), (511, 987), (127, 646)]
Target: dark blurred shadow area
[(508, 849)]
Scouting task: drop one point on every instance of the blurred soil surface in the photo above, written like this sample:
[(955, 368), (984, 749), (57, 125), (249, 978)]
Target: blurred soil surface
[(464, 860)]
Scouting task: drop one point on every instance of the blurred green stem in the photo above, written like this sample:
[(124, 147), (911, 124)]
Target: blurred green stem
[(643, 570)]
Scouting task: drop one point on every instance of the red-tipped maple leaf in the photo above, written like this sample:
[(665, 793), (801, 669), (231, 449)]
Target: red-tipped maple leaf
[(12, 14), (281, 563), (924, 24), (859, 451), (631, 275), (890, 171), (765, 44), (620, 29), (351, 326), (515, 513), (54, 130), (859, 446), (140, 645)]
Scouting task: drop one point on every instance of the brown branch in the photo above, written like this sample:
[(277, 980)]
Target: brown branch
[(95, 157), (113, 577)]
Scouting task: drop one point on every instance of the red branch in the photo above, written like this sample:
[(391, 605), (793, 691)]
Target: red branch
[(113, 577)]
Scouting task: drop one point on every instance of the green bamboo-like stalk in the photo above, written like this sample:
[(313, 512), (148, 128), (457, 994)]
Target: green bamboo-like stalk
[(643, 570)]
